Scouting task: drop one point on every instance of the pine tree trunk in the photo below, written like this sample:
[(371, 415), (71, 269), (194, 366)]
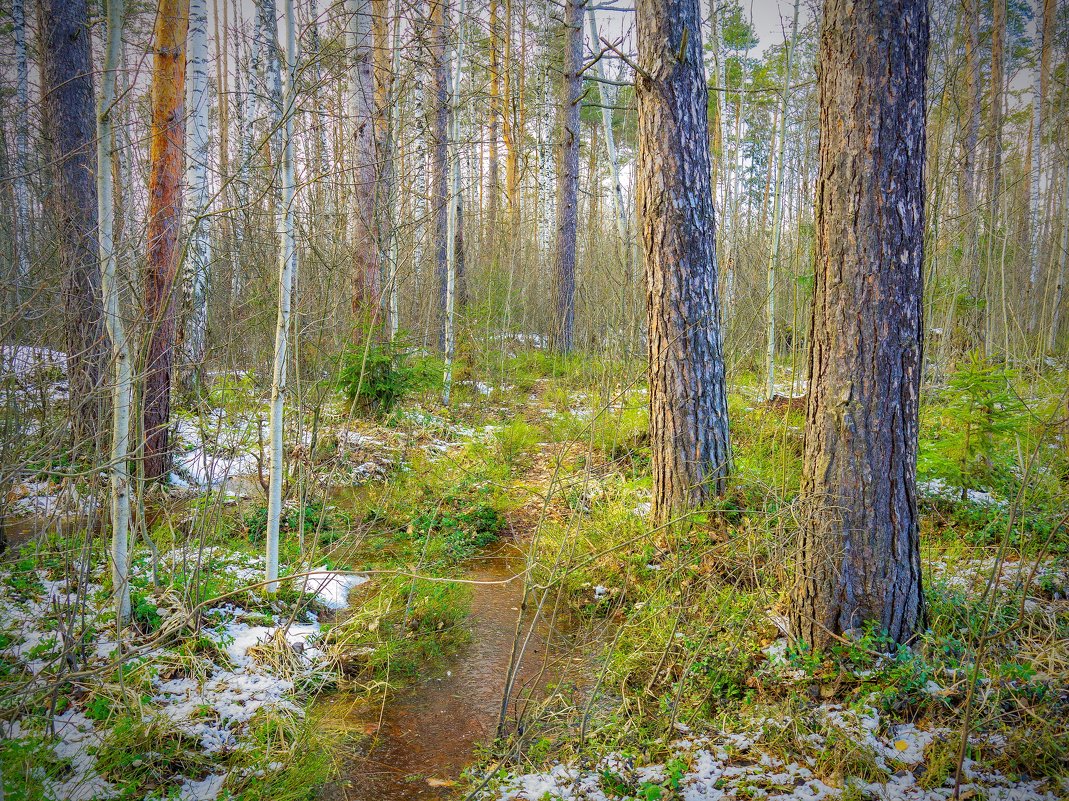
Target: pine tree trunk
[(568, 174), (688, 401), (166, 150), (859, 559), (199, 156), (70, 124)]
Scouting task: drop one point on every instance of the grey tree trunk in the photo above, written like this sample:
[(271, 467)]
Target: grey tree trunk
[(568, 174), (688, 402), (859, 557), (70, 125)]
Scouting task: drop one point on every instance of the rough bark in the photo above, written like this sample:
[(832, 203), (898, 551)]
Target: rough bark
[(70, 125), (166, 149), (688, 404), (859, 558), (568, 174)]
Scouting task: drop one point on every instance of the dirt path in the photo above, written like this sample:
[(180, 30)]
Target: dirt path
[(429, 732)]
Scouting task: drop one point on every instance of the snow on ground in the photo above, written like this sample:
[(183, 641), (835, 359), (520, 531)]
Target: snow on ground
[(937, 488), (259, 657), (737, 766), (214, 448)]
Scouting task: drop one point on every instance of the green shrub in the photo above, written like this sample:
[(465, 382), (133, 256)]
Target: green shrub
[(377, 376), (976, 427)]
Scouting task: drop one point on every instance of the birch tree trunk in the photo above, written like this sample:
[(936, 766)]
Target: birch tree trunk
[(166, 149), (70, 125), (859, 554), (1044, 17), (122, 386), (22, 154), (1063, 268), (494, 120), (365, 242), (199, 156), (568, 174), (453, 220), (688, 400), (618, 207), (777, 217), (967, 195), (439, 111), (287, 271)]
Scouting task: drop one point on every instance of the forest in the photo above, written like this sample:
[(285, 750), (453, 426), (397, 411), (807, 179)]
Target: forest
[(534, 400)]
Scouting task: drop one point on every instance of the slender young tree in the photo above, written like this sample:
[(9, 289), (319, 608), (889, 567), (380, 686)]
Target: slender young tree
[(688, 400), (70, 125), (287, 271), (568, 174), (199, 155), (859, 557), (122, 381), (166, 150)]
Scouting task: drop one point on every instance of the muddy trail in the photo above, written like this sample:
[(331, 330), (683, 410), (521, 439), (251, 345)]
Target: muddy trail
[(429, 733)]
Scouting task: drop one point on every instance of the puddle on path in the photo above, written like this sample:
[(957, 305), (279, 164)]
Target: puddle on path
[(429, 731)]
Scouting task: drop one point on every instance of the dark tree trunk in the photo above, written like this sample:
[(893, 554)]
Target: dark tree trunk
[(69, 111), (568, 173), (859, 559), (167, 146), (439, 105), (688, 401)]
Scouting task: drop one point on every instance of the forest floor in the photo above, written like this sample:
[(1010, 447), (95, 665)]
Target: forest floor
[(656, 665)]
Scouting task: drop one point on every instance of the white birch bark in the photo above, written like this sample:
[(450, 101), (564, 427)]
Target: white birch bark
[(22, 152), (198, 157), (122, 386), (777, 216), (455, 199), (1037, 162), (619, 210), (287, 269), (1063, 268)]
